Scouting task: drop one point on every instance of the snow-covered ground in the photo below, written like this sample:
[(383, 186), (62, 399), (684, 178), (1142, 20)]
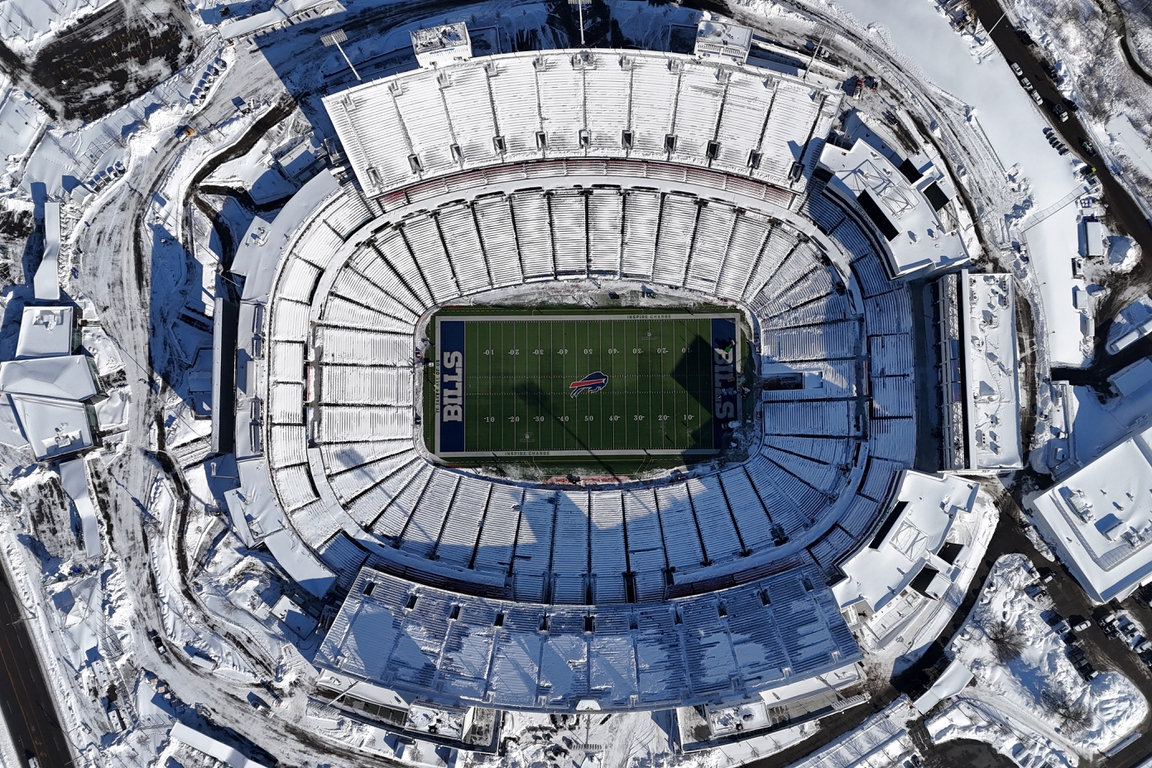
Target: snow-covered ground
[(1021, 667)]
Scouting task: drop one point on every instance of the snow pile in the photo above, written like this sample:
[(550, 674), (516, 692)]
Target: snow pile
[(1020, 666), (976, 721)]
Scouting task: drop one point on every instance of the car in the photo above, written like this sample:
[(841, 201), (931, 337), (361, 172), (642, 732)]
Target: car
[(1071, 105), (1087, 147), (157, 641), (1060, 112), (1049, 69), (1081, 625), (1061, 627), (1036, 97), (1016, 68), (1024, 37), (1027, 84)]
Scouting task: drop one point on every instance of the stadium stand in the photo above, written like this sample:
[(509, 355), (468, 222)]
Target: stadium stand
[(661, 169)]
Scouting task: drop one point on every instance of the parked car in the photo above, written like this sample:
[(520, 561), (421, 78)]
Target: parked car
[(1088, 148), (1081, 625), (1016, 68)]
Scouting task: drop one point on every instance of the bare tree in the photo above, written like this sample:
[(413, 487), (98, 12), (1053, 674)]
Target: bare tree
[(1073, 715), (1007, 642)]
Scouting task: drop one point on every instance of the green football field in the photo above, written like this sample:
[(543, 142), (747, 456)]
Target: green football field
[(568, 385)]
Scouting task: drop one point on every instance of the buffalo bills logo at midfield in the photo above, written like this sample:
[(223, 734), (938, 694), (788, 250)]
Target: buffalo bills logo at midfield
[(593, 382)]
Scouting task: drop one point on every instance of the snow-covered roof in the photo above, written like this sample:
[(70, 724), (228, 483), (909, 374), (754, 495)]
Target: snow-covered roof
[(283, 14), (53, 427), (991, 372), (458, 650), (632, 104), (259, 252), (1133, 377), (727, 41), (1100, 519), (955, 679), (443, 44), (362, 689), (299, 562), (253, 508), (67, 378), (46, 282), (1093, 238), (45, 331), (901, 209), (907, 541), (74, 480), (213, 748)]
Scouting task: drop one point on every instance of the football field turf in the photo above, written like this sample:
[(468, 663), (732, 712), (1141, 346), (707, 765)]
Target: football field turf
[(593, 384)]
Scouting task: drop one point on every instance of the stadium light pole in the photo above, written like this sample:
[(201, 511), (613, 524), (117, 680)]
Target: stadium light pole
[(335, 38), (580, 9)]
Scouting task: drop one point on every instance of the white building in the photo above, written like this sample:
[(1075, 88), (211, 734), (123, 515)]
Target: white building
[(48, 387), (442, 45), (723, 41), (45, 331), (1100, 520), (907, 543), (903, 202), (978, 359)]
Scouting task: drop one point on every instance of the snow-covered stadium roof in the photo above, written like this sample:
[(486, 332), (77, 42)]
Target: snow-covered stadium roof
[(909, 539), (1100, 520), (902, 203), (460, 650), (616, 104)]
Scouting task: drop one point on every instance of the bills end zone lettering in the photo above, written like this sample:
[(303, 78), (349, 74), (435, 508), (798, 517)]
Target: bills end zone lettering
[(450, 387), (726, 405)]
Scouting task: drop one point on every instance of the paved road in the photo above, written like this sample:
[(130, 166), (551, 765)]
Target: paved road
[(24, 695)]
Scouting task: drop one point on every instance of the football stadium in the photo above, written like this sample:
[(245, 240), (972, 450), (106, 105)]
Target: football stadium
[(681, 259)]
